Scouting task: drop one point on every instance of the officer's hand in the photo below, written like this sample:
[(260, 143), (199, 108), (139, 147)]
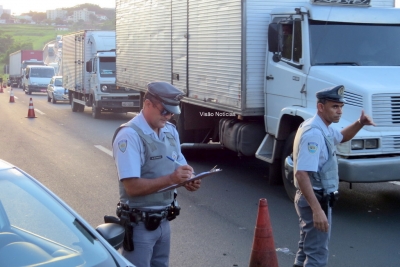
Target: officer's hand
[(193, 186), (181, 174), (365, 119), (320, 220)]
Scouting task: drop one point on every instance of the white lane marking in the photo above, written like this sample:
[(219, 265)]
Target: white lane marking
[(37, 110), (105, 150), (395, 182)]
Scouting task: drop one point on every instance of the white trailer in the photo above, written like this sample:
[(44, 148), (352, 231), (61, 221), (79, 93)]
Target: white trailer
[(88, 70), (249, 87)]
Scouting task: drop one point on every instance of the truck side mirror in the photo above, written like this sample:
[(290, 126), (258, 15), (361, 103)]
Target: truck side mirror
[(89, 66), (274, 35)]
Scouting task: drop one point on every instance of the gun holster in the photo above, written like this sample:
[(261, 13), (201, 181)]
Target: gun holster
[(123, 213)]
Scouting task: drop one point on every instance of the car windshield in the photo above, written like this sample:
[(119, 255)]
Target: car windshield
[(33, 223), (58, 82), (354, 44), (42, 72)]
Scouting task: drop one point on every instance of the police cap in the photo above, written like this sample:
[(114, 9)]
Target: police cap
[(332, 93), (167, 94)]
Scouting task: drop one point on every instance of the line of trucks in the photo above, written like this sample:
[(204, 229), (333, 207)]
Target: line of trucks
[(250, 71)]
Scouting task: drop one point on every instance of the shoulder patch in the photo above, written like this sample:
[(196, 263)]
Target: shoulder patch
[(312, 147), (122, 145)]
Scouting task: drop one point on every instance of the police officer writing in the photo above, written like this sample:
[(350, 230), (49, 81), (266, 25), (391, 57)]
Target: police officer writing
[(140, 149), (316, 174)]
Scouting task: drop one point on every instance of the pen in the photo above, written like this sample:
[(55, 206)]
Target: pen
[(174, 160)]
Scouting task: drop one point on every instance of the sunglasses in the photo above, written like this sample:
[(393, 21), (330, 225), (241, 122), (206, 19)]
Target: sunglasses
[(163, 112)]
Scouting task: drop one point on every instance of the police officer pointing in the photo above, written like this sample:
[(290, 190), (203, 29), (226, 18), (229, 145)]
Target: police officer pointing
[(316, 174), (140, 149)]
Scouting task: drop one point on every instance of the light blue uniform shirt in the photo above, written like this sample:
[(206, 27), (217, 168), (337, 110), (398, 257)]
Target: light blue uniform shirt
[(313, 152), (130, 161)]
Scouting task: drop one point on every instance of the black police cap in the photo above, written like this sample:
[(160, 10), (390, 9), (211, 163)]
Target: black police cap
[(332, 93), (167, 94)]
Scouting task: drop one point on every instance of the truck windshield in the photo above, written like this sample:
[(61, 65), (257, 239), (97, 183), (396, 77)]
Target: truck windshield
[(42, 73), (353, 44), (107, 67)]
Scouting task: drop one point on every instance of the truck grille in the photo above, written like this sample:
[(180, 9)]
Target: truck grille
[(391, 143), (353, 99), (386, 110)]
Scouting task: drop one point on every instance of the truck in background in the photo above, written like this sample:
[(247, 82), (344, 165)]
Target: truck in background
[(88, 70), (51, 50), (18, 62), (37, 78), (250, 71)]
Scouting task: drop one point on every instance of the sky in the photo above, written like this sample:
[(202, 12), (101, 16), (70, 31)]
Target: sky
[(21, 6)]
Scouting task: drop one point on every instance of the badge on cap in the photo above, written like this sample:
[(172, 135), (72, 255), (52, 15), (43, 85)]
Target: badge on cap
[(341, 91), (312, 147), (122, 145)]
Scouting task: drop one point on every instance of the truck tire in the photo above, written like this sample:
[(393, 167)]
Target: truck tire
[(54, 101), (96, 112), (74, 105), (288, 182)]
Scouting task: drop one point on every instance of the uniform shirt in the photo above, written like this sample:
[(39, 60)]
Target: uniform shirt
[(313, 152), (130, 161)]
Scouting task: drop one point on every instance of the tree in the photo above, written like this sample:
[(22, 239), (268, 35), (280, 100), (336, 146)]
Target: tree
[(59, 21), (38, 16), (5, 16)]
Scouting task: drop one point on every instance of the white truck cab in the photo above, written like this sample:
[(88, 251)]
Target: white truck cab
[(316, 46)]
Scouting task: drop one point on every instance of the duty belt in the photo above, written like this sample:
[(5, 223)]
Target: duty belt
[(137, 215)]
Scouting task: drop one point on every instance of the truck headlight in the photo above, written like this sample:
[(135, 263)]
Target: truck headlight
[(371, 143), (357, 144), (104, 88)]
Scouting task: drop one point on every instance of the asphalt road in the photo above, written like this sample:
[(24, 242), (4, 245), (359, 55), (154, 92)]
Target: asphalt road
[(70, 153)]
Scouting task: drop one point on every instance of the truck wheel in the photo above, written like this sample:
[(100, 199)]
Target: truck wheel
[(288, 178), (96, 112), (74, 105), (54, 101)]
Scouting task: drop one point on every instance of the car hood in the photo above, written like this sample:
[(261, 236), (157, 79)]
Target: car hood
[(59, 89)]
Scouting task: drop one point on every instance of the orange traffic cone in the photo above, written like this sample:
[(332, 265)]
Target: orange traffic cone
[(31, 110), (263, 253), (11, 96)]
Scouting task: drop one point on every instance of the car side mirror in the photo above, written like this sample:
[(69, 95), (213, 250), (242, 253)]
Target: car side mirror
[(113, 233)]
